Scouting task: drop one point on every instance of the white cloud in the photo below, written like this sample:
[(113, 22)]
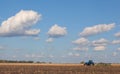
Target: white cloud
[(97, 29), (80, 48), (81, 41), (77, 54), (57, 31), (14, 56), (73, 54), (84, 44), (100, 42), (119, 48), (99, 48), (114, 53), (117, 34), (70, 54), (36, 38), (34, 56), (50, 40), (116, 42), (50, 56), (20, 24)]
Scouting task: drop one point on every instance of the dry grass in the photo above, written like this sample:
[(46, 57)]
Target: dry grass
[(18, 68)]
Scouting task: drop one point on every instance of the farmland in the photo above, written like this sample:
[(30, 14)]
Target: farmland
[(28, 68)]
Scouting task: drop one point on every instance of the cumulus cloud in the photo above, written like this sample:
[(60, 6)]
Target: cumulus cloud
[(57, 31), (73, 54), (100, 42), (117, 34), (20, 24), (119, 48), (81, 41), (36, 38), (80, 48), (116, 42), (82, 44), (114, 53), (34, 56), (99, 48), (50, 40), (51, 56), (97, 29)]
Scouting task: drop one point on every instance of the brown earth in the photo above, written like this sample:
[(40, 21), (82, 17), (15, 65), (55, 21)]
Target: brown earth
[(28, 68)]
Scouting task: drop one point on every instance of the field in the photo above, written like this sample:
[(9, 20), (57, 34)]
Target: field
[(18, 68)]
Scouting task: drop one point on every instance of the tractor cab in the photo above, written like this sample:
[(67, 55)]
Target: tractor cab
[(89, 63)]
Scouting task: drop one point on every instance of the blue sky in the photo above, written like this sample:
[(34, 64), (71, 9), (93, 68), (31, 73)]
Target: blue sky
[(60, 31)]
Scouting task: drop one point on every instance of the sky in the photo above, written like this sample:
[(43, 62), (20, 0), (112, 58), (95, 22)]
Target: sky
[(60, 31)]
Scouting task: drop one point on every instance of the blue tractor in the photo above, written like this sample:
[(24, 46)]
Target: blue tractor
[(89, 63)]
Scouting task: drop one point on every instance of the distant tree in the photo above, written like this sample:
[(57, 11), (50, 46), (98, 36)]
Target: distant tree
[(103, 64), (12, 61), (50, 62), (82, 62), (37, 62)]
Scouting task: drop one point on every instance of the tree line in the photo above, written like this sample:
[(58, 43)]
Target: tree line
[(16, 61), (12, 61)]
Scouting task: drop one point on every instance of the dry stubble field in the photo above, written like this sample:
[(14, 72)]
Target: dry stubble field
[(7, 68)]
